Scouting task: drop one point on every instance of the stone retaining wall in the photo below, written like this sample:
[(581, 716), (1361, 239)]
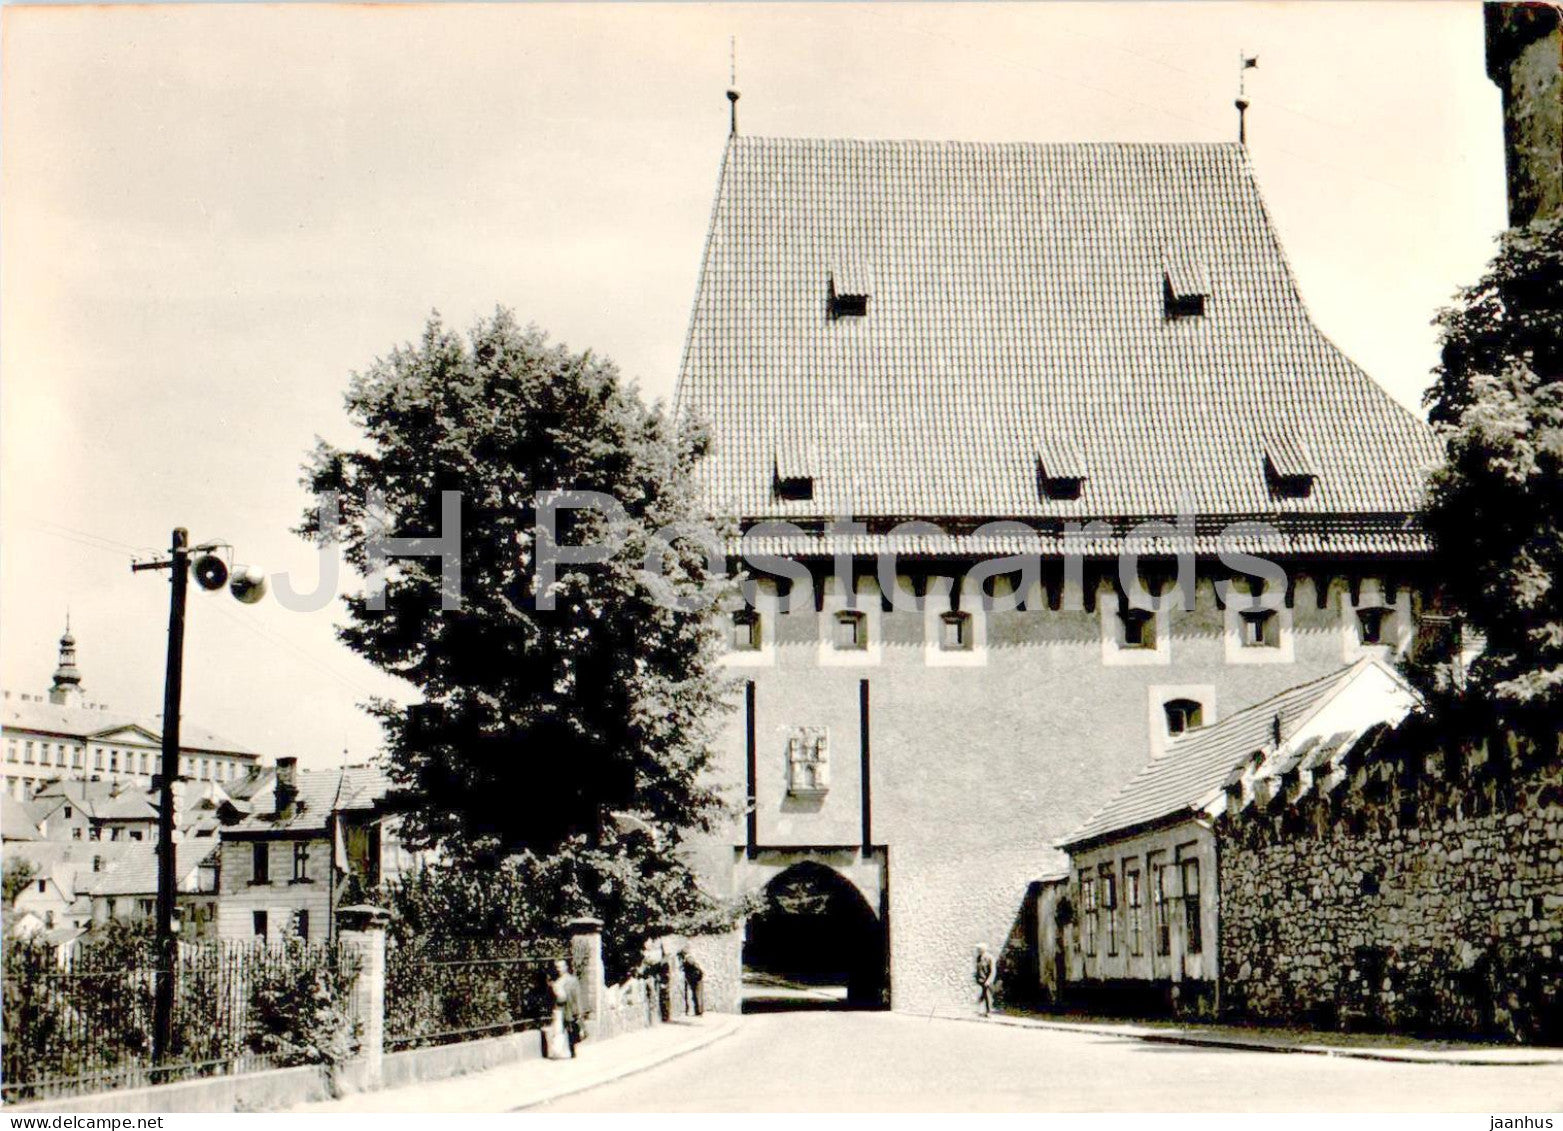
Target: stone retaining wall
[(1420, 889)]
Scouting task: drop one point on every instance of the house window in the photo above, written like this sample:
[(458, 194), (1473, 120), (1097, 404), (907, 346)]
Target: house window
[(808, 761), (59, 755), (1137, 628), (955, 632), (746, 631), (97, 862), (146, 907), (76, 833), (258, 922), (1088, 914), (1261, 628), (1371, 623), (76, 758), (69, 812), (97, 757), (43, 887), (1159, 921), (851, 631), (260, 863), (302, 922), (1110, 906), (96, 833), (1182, 715), (113, 907), (146, 763), (1132, 898), (136, 834), (114, 833), (113, 761), (10, 751), (27, 754), (48, 920), (1193, 936), (300, 861)]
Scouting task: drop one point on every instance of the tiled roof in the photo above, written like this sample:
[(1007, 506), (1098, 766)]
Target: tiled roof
[(16, 820), (85, 722), (136, 874), (1201, 761), (1018, 301), (320, 793)]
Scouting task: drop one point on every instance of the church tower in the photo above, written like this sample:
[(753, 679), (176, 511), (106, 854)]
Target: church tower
[(66, 690)]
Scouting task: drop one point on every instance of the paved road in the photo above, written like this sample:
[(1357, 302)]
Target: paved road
[(890, 1062)]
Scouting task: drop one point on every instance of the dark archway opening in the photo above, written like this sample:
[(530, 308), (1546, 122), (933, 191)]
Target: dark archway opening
[(815, 944)]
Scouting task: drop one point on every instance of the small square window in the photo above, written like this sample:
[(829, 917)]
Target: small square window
[(1371, 622), (795, 489), (1261, 628), (851, 631), (955, 632), (1182, 715), (746, 631), (1138, 629)]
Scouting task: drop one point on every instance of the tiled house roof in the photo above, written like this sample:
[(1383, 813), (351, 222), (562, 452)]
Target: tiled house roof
[(1201, 761), (1017, 314), (320, 793)]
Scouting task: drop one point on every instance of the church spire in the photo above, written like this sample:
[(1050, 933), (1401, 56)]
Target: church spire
[(67, 677)]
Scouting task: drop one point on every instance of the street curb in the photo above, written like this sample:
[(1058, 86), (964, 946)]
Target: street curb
[(1151, 1036), (632, 1068)]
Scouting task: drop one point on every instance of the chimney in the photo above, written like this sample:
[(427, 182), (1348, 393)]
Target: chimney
[(287, 785), (1525, 60)]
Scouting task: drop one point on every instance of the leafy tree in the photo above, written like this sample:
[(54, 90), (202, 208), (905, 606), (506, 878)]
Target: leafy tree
[(546, 709), (1495, 509)]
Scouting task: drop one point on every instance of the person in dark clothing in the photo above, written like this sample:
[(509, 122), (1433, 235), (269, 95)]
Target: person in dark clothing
[(694, 985), (985, 973)]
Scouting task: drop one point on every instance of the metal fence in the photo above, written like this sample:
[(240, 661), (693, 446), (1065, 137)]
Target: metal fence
[(82, 1021), (463, 990)]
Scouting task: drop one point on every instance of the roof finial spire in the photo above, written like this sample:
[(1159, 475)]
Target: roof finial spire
[(1245, 62), (732, 84)]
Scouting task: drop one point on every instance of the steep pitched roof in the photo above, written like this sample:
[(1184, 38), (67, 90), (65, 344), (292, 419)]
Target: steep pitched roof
[(136, 874), (88, 722), (1017, 298), (320, 793), (1203, 760), (17, 821)]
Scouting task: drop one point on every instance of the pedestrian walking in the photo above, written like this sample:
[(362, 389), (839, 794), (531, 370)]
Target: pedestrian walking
[(984, 974), (564, 1024), (694, 985)]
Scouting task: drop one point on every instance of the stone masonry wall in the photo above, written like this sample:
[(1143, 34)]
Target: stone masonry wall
[(1421, 890)]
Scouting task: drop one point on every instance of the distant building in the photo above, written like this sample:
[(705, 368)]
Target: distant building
[(1144, 925), (320, 836), (128, 890), (60, 736)]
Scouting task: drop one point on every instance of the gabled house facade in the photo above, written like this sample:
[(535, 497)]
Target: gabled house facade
[(319, 836), (1050, 355), (1144, 922)]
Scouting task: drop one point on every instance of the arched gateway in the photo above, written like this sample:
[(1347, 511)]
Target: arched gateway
[(814, 943)]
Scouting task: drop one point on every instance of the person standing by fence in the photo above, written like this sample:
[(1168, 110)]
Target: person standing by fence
[(564, 1025)]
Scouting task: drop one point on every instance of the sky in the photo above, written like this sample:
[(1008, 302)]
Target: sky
[(212, 215)]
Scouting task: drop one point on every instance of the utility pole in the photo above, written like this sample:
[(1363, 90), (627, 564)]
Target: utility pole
[(167, 951)]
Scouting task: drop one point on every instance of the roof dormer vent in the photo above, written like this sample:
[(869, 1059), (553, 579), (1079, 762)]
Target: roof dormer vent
[(796, 468), (1184, 286), (1061, 472), (1290, 469), (849, 288)]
